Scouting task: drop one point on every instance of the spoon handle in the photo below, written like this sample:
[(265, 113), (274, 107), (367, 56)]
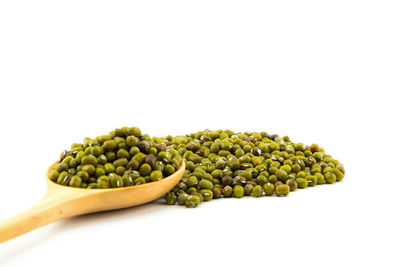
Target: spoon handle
[(50, 208)]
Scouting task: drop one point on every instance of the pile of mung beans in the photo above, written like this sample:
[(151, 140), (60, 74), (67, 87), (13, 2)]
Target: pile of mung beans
[(122, 158), (227, 164), (219, 164)]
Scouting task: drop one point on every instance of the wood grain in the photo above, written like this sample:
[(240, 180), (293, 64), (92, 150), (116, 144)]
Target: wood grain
[(63, 201)]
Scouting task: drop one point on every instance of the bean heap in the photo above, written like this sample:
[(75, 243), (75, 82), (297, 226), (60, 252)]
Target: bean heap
[(225, 164), (122, 158), (218, 164)]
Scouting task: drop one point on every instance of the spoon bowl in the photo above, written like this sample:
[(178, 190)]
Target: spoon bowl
[(61, 202)]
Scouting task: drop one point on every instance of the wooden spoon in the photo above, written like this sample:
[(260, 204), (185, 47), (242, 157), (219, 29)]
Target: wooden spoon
[(61, 202)]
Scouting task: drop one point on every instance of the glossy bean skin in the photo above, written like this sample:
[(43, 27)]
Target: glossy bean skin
[(117, 155), (219, 164)]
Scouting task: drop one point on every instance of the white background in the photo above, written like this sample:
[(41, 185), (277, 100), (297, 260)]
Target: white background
[(319, 71)]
